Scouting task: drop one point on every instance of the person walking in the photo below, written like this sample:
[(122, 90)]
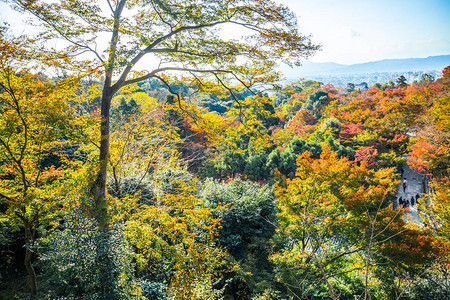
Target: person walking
[(404, 185)]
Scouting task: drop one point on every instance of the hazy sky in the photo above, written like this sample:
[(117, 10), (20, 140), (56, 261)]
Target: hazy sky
[(354, 31)]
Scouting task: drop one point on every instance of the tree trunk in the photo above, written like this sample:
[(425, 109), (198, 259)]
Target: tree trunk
[(28, 266), (103, 259), (100, 185), (101, 213)]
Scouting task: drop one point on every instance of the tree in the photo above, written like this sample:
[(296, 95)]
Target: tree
[(183, 36), (401, 82), (316, 101), (36, 125), (426, 78), (350, 87), (321, 253), (388, 85), (247, 225), (175, 239), (138, 148), (377, 85), (430, 153), (284, 161)]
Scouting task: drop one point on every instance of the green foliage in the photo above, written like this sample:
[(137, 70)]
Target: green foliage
[(133, 186), (341, 150), (8, 234), (235, 162), (284, 161), (267, 295), (316, 101), (256, 167), (426, 78), (261, 165), (332, 127), (247, 225), (434, 284), (377, 85), (72, 265), (253, 166), (169, 234), (350, 88), (121, 114), (401, 82), (154, 290), (298, 95), (388, 85)]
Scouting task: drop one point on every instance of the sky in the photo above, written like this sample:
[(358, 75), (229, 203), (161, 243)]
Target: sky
[(357, 31)]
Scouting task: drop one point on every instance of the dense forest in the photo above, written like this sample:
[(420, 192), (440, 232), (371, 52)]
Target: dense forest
[(222, 187)]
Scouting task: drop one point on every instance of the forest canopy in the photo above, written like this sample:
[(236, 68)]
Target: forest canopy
[(200, 176)]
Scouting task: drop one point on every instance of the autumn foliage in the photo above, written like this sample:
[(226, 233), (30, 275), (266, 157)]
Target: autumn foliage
[(217, 187)]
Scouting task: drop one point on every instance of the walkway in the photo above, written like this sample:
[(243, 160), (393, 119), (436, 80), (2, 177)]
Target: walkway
[(415, 185)]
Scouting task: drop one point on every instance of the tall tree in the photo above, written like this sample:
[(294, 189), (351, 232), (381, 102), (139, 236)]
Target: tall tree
[(176, 36), (401, 82), (35, 126)]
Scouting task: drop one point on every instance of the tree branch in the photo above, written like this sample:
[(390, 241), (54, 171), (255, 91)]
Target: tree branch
[(110, 7), (170, 89), (230, 91), (64, 36), (122, 80), (160, 16), (5, 197), (154, 72), (175, 50)]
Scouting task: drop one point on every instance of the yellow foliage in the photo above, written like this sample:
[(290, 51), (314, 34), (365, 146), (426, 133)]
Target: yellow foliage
[(246, 120), (179, 231)]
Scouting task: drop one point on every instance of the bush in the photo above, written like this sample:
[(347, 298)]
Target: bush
[(247, 227), (86, 263)]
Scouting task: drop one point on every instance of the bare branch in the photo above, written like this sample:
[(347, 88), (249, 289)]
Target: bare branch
[(387, 225)]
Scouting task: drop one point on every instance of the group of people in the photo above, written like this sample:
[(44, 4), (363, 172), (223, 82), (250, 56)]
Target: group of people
[(407, 202)]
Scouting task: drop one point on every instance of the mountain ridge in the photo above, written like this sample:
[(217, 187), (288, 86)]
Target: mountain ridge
[(437, 62)]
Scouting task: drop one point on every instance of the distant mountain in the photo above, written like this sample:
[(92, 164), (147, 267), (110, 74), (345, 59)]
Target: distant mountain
[(387, 65)]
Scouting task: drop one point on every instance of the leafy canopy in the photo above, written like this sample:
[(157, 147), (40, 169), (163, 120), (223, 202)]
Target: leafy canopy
[(179, 35)]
